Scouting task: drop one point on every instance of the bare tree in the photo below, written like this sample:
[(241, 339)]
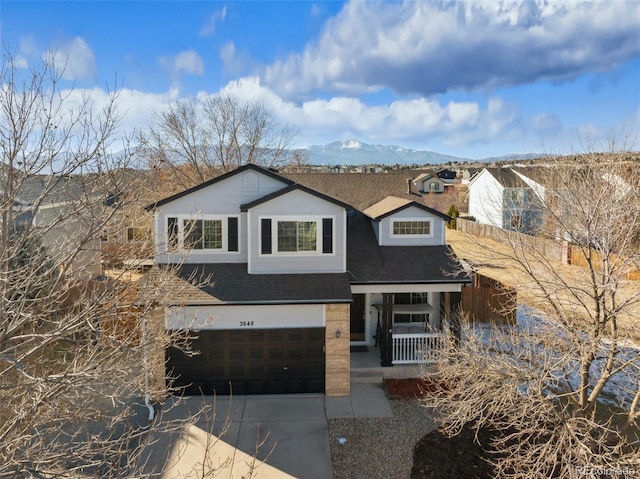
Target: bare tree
[(196, 139), (81, 355), (561, 390), (299, 161)]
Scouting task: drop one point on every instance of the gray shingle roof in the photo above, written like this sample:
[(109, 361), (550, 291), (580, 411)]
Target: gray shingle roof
[(230, 283), (507, 178), (367, 262), (360, 190)]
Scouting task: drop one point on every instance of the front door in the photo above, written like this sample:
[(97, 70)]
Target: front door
[(358, 318)]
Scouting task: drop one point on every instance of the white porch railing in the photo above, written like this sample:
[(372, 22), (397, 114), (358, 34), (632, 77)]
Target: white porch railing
[(417, 348)]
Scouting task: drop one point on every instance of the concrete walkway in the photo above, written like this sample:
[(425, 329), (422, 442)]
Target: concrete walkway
[(259, 436)]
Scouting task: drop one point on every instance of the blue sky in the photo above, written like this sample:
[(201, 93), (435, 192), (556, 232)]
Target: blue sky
[(472, 79)]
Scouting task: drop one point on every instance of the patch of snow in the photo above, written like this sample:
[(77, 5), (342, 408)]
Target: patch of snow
[(351, 145), (620, 388)]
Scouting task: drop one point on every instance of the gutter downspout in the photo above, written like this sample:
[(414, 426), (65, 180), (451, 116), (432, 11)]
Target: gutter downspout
[(145, 366)]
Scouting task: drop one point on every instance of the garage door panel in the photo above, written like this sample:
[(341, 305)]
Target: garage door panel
[(254, 361), (275, 335), (215, 354), (257, 336), (236, 352), (275, 352), (257, 353)]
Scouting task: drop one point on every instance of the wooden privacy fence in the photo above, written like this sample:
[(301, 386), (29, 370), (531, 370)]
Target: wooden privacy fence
[(490, 301), (577, 257), (561, 251), (549, 248)]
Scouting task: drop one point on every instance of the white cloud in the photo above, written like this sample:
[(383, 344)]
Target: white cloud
[(461, 127), (455, 123), (187, 61), (228, 55), (28, 46), (20, 62), (434, 47), (209, 27), (73, 59)]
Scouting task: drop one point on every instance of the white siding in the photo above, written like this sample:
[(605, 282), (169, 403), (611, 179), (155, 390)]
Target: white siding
[(222, 198), (386, 238), (486, 199), (300, 206), (245, 317)]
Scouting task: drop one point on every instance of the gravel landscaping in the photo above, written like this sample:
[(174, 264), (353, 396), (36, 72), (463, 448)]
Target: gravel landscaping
[(379, 447)]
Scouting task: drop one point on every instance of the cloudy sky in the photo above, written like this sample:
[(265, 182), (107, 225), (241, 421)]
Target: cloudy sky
[(471, 79)]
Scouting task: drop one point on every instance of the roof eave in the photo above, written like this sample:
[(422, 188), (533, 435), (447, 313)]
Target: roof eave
[(264, 302)]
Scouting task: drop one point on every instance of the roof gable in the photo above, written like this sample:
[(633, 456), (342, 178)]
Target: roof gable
[(393, 204), (242, 169)]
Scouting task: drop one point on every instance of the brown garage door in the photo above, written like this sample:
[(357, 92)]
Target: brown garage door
[(264, 361)]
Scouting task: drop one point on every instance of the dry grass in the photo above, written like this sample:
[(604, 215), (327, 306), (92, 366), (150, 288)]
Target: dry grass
[(495, 260)]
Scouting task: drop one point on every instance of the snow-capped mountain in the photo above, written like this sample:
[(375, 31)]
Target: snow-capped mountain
[(355, 152)]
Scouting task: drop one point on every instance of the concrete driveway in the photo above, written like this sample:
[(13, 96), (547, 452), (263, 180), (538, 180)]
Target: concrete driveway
[(245, 437), (257, 437)]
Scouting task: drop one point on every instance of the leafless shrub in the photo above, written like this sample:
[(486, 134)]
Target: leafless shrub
[(562, 388)]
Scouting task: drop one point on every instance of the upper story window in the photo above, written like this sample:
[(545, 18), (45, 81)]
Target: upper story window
[(219, 234), (411, 228), (202, 234), (291, 236), (297, 236)]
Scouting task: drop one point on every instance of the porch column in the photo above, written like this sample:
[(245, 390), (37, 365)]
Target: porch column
[(386, 345)]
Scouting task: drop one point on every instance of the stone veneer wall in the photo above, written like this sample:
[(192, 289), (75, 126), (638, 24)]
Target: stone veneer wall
[(337, 350), (156, 339)]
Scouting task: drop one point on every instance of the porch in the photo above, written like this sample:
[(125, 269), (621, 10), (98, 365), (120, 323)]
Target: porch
[(415, 347), (365, 367), (403, 323)]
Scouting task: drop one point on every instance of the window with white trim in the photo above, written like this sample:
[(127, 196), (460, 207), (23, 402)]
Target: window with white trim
[(411, 228), (290, 235), (296, 236), (208, 234), (202, 234)]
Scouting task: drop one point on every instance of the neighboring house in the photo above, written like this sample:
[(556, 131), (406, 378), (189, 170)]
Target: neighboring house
[(429, 183), (63, 210), (505, 198), (287, 277)]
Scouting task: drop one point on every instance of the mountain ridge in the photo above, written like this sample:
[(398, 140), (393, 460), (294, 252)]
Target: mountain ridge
[(355, 152)]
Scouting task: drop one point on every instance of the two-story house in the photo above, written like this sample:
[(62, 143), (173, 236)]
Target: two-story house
[(506, 198), (288, 278)]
